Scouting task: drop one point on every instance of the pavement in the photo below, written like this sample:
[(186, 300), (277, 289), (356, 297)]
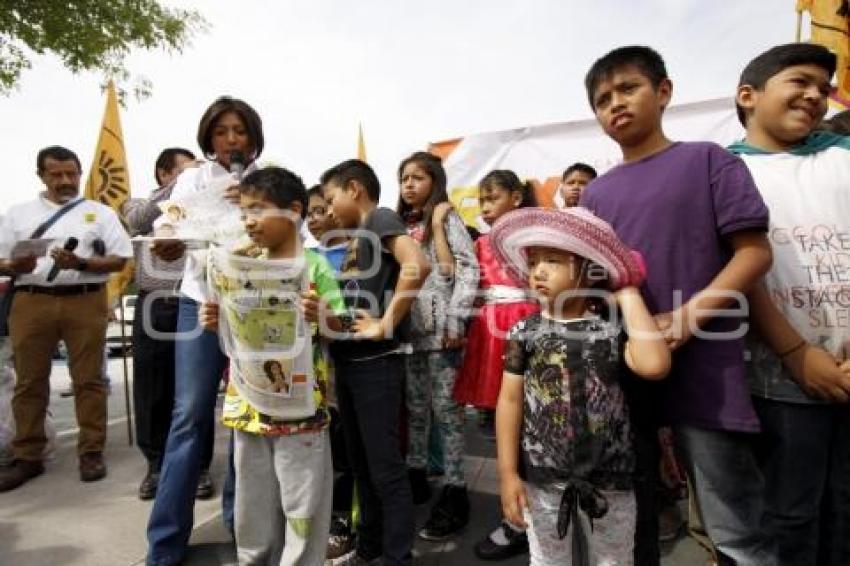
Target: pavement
[(56, 519)]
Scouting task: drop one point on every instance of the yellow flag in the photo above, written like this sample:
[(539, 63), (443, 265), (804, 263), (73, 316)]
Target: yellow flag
[(361, 144), (109, 179), (830, 21)]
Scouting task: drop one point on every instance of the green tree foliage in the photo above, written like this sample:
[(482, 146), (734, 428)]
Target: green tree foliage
[(88, 35)]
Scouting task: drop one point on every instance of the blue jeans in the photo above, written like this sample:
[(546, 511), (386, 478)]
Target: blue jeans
[(369, 395), (805, 454), (729, 491), (199, 363)]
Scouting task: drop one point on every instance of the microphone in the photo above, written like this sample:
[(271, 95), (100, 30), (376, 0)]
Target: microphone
[(237, 163), (70, 245)]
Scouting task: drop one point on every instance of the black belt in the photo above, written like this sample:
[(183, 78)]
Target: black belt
[(61, 290)]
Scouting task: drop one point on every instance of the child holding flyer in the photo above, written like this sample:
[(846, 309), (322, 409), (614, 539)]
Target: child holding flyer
[(281, 448)]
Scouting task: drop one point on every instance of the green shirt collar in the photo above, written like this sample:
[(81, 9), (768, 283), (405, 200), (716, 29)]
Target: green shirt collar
[(814, 143)]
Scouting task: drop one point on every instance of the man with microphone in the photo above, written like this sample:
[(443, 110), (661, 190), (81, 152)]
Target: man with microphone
[(61, 296)]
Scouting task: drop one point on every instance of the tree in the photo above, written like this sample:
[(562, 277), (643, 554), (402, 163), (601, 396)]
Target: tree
[(88, 35)]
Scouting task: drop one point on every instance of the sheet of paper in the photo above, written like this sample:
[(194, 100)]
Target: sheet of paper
[(264, 332), (37, 247), (205, 215)]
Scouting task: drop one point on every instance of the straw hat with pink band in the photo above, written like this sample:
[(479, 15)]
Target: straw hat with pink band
[(575, 230)]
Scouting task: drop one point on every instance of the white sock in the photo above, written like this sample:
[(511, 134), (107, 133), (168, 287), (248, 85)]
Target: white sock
[(498, 535)]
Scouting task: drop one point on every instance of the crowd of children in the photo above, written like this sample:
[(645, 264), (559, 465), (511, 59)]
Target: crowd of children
[(584, 329)]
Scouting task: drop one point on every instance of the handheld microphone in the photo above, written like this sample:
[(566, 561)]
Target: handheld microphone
[(70, 245), (237, 163)]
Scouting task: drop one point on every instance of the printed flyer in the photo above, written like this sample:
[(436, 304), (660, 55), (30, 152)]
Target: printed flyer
[(264, 332), (204, 215)]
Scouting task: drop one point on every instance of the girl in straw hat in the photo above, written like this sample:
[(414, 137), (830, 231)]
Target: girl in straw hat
[(561, 409)]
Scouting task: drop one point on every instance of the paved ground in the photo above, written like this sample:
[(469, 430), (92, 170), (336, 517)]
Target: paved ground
[(56, 519)]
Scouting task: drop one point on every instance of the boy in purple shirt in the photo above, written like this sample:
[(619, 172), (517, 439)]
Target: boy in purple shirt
[(694, 213)]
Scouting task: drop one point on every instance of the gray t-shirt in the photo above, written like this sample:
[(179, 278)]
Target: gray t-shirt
[(367, 281)]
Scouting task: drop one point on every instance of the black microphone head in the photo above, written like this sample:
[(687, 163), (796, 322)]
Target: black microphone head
[(237, 159), (99, 247), (71, 244)]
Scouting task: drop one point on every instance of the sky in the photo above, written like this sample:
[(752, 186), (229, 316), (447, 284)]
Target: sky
[(411, 73)]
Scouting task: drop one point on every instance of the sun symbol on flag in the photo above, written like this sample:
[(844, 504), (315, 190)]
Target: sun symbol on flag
[(113, 180)]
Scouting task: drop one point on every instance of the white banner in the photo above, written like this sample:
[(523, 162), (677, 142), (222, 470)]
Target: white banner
[(541, 153)]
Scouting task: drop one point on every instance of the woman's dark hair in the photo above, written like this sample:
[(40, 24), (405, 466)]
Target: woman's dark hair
[(267, 367), (168, 159), (433, 167), (249, 117), (507, 180)]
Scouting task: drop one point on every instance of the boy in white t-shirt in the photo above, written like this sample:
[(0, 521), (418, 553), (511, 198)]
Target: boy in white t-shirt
[(800, 373)]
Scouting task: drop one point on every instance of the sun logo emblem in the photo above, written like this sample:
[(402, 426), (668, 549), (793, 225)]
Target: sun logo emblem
[(113, 180)]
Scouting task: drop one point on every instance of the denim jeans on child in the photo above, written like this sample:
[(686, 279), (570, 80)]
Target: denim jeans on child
[(805, 454), (729, 490), (199, 363)]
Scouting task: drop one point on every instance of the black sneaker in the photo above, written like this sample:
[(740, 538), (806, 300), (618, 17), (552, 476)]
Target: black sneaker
[(341, 541), (517, 543), (487, 424), (419, 485), (147, 489), (205, 486), (449, 515), (354, 559)]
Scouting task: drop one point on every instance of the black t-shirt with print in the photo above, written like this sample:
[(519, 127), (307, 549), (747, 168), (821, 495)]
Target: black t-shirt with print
[(368, 277), (575, 418)]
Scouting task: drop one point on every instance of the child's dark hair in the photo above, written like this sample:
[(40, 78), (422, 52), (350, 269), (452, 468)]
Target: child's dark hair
[(276, 185), (507, 180), (354, 170), (315, 191), (249, 117), (838, 124), (645, 59), (581, 168), (168, 159), (433, 167), (776, 59)]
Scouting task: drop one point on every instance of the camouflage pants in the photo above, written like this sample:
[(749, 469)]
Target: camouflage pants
[(430, 382)]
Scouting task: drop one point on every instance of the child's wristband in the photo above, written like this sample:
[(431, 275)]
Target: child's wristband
[(789, 351)]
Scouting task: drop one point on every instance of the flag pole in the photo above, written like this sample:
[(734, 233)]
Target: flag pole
[(109, 184), (126, 380), (799, 26)]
